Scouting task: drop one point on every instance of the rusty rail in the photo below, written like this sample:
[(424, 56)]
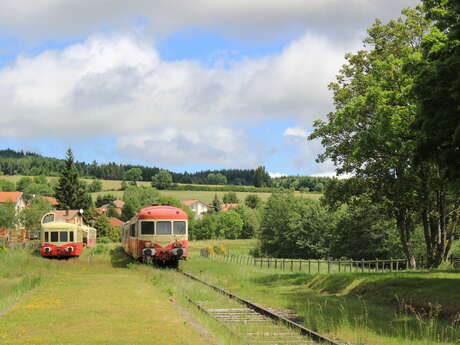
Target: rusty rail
[(264, 311)]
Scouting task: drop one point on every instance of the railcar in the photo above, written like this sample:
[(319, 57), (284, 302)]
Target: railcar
[(63, 239), (157, 235)]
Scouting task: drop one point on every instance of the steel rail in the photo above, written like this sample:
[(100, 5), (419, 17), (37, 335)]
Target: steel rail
[(261, 310)]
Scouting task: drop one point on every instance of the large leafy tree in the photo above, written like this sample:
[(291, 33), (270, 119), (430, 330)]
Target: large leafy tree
[(369, 134), (162, 180), (438, 87), (70, 191), (8, 216), (31, 215)]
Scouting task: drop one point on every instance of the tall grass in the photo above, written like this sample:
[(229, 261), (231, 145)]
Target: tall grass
[(416, 308), (20, 271)]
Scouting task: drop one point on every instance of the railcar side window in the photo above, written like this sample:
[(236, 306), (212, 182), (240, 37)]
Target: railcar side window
[(47, 236), (54, 236), (163, 228), (147, 228), (179, 228), (133, 230), (48, 218), (63, 236), (71, 236)]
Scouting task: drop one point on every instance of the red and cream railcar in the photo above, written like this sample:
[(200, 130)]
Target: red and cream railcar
[(157, 234), (64, 235)]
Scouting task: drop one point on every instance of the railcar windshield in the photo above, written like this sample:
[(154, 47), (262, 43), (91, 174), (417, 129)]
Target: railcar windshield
[(63, 236), (59, 236), (147, 228), (164, 228), (179, 228), (54, 236)]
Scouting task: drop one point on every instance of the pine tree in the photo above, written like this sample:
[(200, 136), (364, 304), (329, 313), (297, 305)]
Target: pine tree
[(70, 192), (216, 203)]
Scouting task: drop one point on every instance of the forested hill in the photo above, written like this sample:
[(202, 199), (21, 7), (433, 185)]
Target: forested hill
[(32, 164)]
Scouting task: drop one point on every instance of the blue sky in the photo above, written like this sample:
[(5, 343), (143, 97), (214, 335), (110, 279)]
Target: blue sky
[(179, 85)]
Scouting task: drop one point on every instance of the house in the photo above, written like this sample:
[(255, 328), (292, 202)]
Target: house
[(52, 200), (16, 197), (18, 234), (115, 222), (228, 207), (116, 204), (197, 206)]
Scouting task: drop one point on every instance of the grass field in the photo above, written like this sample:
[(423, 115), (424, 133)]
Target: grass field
[(104, 299), (113, 187), (204, 196), (412, 308)]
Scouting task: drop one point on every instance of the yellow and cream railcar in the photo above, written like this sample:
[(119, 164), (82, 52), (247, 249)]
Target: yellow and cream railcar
[(65, 236)]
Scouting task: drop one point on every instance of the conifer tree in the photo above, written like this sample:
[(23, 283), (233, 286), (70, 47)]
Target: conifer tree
[(70, 192)]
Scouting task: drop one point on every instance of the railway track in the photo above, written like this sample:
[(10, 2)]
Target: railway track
[(257, 324)]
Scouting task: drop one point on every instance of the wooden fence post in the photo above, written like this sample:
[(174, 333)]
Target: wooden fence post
[(339, 265), (292, 265), (276, 263), (319, 263), (362, 265), (309, 266), (300, 265), (376, 265), (328, 266)]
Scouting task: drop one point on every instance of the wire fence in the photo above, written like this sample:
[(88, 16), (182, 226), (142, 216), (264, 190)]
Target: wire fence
[(319, 266)]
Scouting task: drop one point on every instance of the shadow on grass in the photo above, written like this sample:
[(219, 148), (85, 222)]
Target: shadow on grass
[(119, 259)]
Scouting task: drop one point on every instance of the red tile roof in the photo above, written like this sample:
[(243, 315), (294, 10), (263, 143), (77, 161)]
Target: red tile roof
[(115, 221), (10, 196), (52, 200), (188, 202), (227, 207)]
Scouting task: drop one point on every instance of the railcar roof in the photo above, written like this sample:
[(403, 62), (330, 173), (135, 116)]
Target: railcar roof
[(162, 212)]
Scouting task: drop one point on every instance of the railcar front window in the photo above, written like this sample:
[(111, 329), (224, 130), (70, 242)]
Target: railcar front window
[(179, 228), (71, 236), (47, 236), (133, 230), (63, 236), (54, 236), (147, 228), (163, 228)]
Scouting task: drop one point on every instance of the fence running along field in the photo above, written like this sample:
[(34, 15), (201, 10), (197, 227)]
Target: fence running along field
[(320, 266)]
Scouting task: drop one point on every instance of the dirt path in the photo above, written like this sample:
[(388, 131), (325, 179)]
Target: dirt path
[(91, 303)]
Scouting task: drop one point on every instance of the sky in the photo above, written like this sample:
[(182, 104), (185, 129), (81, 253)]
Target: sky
[(181, 85)]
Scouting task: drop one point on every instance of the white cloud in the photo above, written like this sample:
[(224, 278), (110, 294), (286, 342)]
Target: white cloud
[(258, 18), (119, 86), (298, 132)]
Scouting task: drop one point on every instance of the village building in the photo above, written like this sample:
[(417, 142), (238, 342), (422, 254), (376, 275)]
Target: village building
[(197, 206), (228, 207), (18, 234)]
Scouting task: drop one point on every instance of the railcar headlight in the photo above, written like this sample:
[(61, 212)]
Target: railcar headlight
[(147, 244)]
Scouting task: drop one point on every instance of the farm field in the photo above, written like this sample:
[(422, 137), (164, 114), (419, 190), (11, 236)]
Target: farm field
[(113, 187), (105, 300), (204, 196)]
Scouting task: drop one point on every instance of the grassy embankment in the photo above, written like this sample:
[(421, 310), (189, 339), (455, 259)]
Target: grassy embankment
[(101, 299), (372, 308)]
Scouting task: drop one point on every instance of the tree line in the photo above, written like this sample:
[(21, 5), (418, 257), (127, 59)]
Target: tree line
[(32, 164)]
